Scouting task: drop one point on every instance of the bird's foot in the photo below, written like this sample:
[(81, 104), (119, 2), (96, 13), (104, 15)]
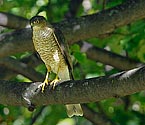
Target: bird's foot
[(42, 85), (54, 82)]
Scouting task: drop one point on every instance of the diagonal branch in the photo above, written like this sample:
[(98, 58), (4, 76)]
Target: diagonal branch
[(95, 117), (79, 91), (75, 29), (10, 67), (109, 58), (13, 21), (20, 67)]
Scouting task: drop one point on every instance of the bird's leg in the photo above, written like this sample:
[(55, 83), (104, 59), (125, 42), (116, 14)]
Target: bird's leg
[(46, 81), (56, 80)]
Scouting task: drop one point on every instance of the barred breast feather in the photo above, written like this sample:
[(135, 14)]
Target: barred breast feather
[(46, 45)]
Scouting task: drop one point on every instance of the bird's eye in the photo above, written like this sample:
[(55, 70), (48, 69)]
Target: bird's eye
[(37, 21)]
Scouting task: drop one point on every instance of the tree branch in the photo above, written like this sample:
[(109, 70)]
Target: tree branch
[(13, 21), (73, 8), (6, 74), (109, 58), (79, 91), (21, 68), (96, 118), (16, 42), (102, 23), (75, 29), (11, 69)]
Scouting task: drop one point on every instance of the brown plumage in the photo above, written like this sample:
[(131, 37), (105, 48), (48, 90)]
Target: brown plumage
[(55, 55)]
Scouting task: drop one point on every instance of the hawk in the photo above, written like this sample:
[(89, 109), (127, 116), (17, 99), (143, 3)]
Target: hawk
[(55, 55)]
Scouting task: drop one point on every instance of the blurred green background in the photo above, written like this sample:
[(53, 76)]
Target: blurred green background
[(127, 41)]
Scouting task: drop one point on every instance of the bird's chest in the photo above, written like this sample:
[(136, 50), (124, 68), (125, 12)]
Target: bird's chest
[(48, 49)]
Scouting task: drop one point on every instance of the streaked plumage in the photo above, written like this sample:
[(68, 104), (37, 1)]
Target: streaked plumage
[(55, 56)]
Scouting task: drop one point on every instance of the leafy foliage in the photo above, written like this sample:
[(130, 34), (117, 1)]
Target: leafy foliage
[(127, 41)]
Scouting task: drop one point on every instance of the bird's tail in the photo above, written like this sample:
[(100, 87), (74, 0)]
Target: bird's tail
[(74, 109)]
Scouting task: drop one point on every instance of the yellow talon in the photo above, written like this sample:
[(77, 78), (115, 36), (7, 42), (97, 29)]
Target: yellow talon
[(42, 85), (46, 82), (54, 82)]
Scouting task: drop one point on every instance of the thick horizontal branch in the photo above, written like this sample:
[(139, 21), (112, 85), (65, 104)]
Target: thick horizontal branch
[(79, 91), (76, 29)]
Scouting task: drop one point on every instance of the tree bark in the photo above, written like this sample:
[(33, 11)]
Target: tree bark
[(70, 92), (21, 68), (13, 21), (110, 58), (76, 29)]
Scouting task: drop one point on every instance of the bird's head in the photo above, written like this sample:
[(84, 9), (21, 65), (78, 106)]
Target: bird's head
[(38, 21)]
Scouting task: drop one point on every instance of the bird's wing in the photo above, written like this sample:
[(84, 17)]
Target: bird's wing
[(64, 49)]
